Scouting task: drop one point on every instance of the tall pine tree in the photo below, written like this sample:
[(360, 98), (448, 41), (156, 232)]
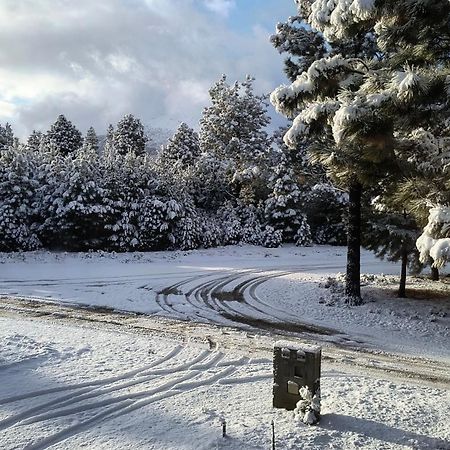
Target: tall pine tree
[(64, 137), (383, 75), (129, 136)]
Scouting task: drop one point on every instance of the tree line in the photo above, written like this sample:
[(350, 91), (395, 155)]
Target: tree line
[(229, 183)]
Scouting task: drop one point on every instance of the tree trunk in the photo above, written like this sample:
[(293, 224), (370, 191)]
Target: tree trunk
[(434, 274), (402, 288), (353, 284)]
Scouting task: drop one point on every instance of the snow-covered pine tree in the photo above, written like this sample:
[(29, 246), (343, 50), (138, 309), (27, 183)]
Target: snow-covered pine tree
[(284, 207), (144, 212), (207, 182), (325, 208), (392, 235), (182, 150), (34, 140), (6, 137), (129, 136), (91, 140), (64, 136), (233, 130), (303, 46), (383, 74), (109, 139), (74, 204), (18, 186)]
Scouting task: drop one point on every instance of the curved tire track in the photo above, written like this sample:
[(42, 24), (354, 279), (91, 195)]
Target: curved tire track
[(208, 302), (205, 369)]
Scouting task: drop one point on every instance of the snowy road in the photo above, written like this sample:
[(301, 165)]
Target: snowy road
[(246, 287), (76, 378)]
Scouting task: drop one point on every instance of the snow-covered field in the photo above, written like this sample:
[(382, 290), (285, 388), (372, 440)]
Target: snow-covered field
[(96, 379), (241, 286), (77, 387)]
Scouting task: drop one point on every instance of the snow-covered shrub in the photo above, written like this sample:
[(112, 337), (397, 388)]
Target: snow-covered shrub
[(308, 407), (231, 224), (252, 223), (272, 238), (188, 228), (213, 234)]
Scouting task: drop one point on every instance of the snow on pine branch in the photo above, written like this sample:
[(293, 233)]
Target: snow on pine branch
[(307, 83), (406, 83), (434, 241), (332, 17), (311, 114)]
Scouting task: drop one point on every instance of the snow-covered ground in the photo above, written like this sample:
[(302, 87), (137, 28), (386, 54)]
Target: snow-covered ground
[(247, 286), (71, 386), (73, 377)]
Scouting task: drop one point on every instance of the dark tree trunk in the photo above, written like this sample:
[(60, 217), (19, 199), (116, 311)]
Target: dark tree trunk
[(434, 274), (353, 285), (402, 288)]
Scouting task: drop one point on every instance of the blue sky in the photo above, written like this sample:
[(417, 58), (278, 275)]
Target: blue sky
[(98, 60)]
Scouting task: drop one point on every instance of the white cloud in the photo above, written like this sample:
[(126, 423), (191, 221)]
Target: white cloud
[(222, 7), (96, 61)]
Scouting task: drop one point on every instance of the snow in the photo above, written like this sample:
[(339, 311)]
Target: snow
[(333, 16), (440, 252), (405, 82), (242, 286), (362, 9), (85, 387), (73, 378), (433, 241), (297, 346)]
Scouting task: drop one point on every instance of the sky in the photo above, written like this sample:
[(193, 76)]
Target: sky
[(97, 60)]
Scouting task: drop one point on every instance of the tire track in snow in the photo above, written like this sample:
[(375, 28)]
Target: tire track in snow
[(175, 351), (241, 305), (210, 369), (144, 375)]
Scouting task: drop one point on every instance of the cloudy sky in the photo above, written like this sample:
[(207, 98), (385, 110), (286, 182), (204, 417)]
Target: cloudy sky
[(96, 60)]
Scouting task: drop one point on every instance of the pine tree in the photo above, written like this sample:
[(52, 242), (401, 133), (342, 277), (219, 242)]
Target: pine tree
[(64, 136), (91, 140), (182, 150), (284, 207), (34, 140), (392, 235), (208, 182), (6, 137), (18, 186), (109, 139), (301, 44), (232, 129), (234, 125), (129, 136), (382, 77), (325, 208), (74, 203)]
